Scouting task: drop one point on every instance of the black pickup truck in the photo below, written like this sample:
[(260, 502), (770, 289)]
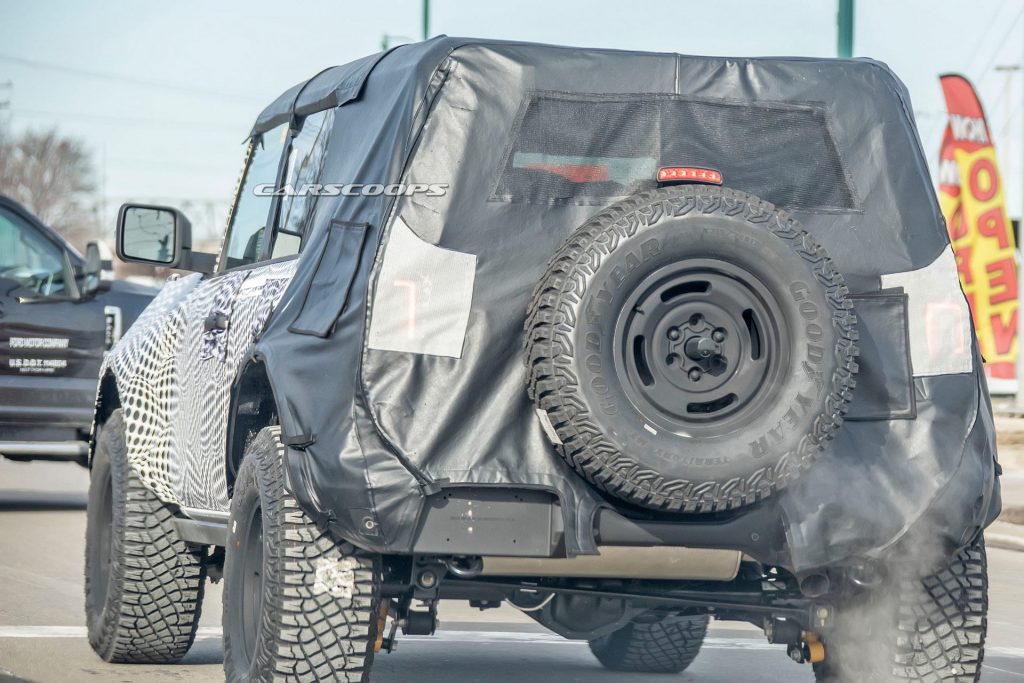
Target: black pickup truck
[(58, 317)]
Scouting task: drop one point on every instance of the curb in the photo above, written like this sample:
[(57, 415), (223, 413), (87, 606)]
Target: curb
[(1004, 541)]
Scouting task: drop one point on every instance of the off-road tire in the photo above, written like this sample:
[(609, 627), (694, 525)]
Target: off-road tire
[(143, 584), (666, 646), (317, 617), (931, 630), (584, 406)]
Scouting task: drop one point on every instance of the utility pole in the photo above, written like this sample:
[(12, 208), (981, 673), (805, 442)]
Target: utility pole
[(385, 40), (1019, 366), (1010, 70), (844, 23)]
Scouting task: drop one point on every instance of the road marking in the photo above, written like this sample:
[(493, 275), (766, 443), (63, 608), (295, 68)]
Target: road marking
[(42, 632), (1004, 671), (442, 636), (78, 632)]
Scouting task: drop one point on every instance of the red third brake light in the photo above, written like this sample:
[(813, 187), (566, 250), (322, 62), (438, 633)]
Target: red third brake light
[(692, 174)]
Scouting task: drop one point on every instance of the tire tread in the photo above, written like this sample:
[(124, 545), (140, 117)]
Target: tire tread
[(666, 646), (553, 386), (308, 633), (155, 596)]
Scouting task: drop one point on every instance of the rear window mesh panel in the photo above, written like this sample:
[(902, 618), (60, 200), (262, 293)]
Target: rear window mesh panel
[(584, 149)]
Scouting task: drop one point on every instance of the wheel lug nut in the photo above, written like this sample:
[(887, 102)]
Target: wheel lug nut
[(696, 319), (718, 335), (674, 333), (695, 374)]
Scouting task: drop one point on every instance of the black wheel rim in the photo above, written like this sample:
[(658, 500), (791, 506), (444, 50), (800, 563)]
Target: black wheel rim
[(102, 546), (251, 589), (701, 345)]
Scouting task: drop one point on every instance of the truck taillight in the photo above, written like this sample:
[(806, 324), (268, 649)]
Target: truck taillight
[(691, 174)]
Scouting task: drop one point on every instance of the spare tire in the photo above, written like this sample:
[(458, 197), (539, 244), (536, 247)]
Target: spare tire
[(691, 349)]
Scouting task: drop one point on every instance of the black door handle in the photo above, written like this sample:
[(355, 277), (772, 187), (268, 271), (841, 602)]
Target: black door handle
[(215, 321)]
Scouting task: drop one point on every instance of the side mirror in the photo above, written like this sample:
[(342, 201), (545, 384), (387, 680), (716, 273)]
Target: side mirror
[(93, 272), (158, 236)]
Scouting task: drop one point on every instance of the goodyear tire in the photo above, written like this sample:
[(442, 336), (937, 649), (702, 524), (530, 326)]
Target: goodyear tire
[(143, 584), (691, 349), (914, 629), (665, 646), (298, 605)]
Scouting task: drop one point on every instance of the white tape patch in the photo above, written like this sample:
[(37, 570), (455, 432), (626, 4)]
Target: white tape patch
[(423, 296), (939, 318), (335, 577)]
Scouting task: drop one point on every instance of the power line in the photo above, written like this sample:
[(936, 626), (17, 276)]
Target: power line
[(139, 196), (1000, 43), (126, 120), (164, 164), (976, 50), (99, 75), (1009, 118)]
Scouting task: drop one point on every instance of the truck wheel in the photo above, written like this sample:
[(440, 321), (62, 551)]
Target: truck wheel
[(691, 349), (298, 605), (665, 646), (930, 629), (143, 584)]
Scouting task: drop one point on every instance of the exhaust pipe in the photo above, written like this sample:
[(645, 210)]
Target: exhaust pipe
[(815, 585), (465, 567), (866, 574)]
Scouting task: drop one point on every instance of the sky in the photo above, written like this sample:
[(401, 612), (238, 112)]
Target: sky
[(163, 94)]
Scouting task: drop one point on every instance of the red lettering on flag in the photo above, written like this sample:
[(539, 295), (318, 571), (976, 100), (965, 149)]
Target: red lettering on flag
[(1003, 333), (984, 180), (1003, 281), (991, 224)]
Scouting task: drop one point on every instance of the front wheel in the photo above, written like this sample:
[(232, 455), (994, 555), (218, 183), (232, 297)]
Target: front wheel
[(915, 629), (298, 605), (143, 584)]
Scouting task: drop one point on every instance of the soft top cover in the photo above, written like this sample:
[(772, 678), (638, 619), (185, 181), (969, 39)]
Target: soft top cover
[(383, 413)]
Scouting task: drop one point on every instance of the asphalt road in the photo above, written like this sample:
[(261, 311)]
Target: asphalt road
[(42, 527)]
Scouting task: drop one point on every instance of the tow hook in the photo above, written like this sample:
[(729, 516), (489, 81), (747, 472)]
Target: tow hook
[(810, 649)]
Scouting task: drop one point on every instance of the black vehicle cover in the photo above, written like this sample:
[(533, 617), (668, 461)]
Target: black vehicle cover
[(396, 352)]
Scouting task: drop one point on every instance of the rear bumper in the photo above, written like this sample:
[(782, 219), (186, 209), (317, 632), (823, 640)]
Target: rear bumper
[(516, 523), (952, 510)]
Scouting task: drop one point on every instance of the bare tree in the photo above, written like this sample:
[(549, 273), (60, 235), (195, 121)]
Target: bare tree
[(52, 176)]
